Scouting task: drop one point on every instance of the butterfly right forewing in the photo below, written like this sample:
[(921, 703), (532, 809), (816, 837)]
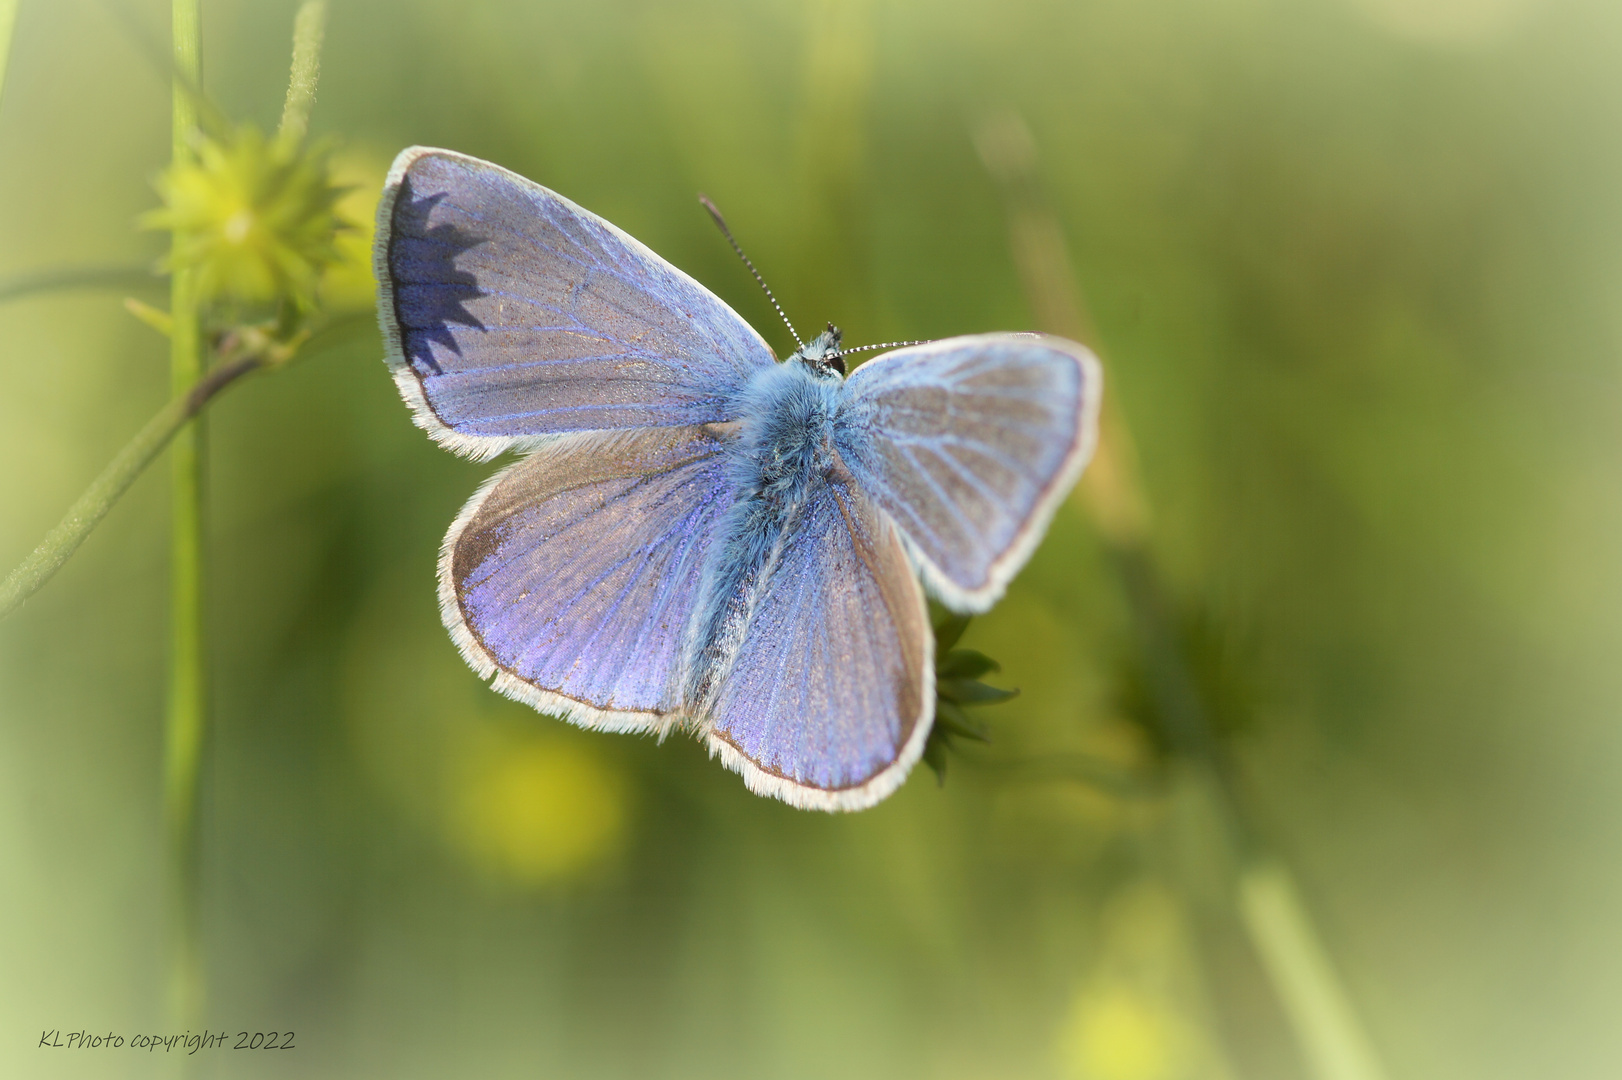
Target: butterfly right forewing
[(969, 444)]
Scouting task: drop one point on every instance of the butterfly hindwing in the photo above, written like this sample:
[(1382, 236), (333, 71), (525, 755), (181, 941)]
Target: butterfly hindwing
[(968, 444), (827, 700), (512, 314), (571, 577)]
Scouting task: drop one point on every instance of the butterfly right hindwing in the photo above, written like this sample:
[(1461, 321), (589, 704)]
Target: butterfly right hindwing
[(827, 701)]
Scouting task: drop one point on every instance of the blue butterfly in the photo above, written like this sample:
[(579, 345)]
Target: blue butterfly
[(699, 535)]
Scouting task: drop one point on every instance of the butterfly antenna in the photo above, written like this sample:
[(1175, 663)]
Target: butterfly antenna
[(885, 345), (721, 223)]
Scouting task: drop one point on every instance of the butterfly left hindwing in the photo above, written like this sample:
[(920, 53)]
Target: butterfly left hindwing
[(572, 576)]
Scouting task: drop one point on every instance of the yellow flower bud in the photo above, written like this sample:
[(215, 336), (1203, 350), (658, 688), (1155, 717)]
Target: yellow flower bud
[(253, 216)]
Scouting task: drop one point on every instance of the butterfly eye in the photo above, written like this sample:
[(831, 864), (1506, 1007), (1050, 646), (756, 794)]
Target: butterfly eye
[(832, 358)]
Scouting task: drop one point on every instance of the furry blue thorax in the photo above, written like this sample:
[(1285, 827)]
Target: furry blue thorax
[(785, 443)]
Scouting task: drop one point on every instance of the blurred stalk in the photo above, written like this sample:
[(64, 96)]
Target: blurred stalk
[(122, 278), (186, 715), (1322, 1019), (8, 23), (114, 480), (309, 27), (1300, 970), (247, 348), (831, 154)]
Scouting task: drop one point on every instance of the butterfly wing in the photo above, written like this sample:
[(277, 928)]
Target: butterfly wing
[(571, 576), (827, 700), (969, 444), (510, 314)]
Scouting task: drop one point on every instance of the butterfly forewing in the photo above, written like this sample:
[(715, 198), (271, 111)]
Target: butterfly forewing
[(512, 313), (968, 444), (573, 575), (827, 700)]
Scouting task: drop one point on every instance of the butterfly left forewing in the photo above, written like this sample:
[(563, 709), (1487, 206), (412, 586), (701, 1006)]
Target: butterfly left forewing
[(827, 701), (512, 315)]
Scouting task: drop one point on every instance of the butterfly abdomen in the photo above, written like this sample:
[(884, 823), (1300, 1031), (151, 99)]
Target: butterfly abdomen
[(786, 415)]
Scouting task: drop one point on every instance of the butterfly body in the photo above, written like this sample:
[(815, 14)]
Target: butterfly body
[(700, 536), (784, 450)]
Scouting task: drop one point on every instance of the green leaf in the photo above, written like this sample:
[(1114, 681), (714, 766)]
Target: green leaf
[(971, 692), (935, 756), (951, 720), (948, 630), (965, 664)]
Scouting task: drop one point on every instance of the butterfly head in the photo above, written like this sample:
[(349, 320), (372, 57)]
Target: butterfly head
[(822, 354)]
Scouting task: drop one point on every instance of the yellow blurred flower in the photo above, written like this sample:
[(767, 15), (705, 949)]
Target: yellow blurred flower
[(1140, 1014), (348, 282), (1119, 1033), (253, 216), (528, 803), (537, 811)]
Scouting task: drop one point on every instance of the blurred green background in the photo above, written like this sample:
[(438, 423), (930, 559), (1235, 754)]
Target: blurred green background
[(1356, 270)]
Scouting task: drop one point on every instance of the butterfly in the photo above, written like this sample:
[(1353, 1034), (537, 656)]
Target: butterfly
[(698, 535)]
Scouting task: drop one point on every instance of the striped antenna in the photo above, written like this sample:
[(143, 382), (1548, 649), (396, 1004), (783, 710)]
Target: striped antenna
[(720, 223), (884, 345)]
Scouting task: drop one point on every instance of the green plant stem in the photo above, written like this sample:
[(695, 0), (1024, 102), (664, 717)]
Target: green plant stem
[(61, 542), (1300, 970), (309, 27), (121, 278), (8, 23), (1319, 1010), (186, 715)]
